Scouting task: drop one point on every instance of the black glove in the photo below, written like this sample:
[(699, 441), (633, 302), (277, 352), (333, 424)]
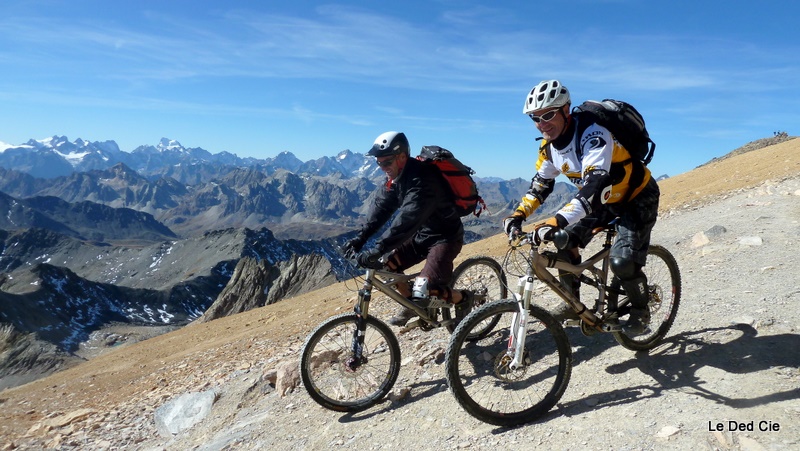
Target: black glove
[(512, 225), (352, 247), (369, 259)]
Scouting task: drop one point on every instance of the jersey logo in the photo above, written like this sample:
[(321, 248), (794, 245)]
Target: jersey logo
[(596, 142), (605, 195)]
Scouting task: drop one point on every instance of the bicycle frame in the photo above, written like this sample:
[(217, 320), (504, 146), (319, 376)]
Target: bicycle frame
[(538, 263), (595, 318), (384, 281)]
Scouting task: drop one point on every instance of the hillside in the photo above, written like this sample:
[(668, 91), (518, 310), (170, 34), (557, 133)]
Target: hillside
[(742, 170), (189, 191), (114, 395)]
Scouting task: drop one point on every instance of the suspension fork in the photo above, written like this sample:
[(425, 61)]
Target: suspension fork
[(519, 322), (361, 310)]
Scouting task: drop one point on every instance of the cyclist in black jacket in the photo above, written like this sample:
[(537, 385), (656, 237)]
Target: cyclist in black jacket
[(424, 223)]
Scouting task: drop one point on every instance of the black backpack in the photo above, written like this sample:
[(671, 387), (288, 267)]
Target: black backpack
[(623, 121), (458, 176)]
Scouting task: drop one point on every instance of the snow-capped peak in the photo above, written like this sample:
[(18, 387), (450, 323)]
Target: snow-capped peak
[(53, 141), (169, 144), (4, 146)]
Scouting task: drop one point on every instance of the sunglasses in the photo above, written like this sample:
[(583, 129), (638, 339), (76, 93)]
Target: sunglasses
[(386, 163), (546, 117)]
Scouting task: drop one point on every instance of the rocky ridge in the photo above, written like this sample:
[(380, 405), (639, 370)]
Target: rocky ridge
[(52, 294)]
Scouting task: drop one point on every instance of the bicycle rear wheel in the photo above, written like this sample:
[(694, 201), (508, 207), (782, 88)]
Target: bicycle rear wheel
[(331, 375), (664, 286), (485, 278), (479, 375)]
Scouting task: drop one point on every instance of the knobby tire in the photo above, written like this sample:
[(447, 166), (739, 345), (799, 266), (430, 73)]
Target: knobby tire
[(484, 277), (484, 385), (334, 384), (664, 286)]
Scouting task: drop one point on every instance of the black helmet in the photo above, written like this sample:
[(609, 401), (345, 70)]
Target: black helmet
[(389, 143)]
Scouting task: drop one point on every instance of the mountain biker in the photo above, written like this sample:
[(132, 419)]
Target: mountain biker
[(610, 184), (426, 225)]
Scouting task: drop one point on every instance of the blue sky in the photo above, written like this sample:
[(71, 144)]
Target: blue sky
[(315, 78)]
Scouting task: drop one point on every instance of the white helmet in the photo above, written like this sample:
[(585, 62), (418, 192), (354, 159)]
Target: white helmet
[(547, 94)]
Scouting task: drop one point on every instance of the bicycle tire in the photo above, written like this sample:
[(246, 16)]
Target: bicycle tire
[(483, 276), (664, 285), (324, 364), (481, 381)]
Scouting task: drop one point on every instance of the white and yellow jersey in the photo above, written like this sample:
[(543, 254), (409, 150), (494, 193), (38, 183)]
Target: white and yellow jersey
[(596, 163)]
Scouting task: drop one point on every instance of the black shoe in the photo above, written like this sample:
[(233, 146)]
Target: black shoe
[(637, 322), (465, 306), (402, 317), (564, 312)]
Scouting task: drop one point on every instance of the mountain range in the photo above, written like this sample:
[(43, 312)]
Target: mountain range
[(193, 191), (57, 156)]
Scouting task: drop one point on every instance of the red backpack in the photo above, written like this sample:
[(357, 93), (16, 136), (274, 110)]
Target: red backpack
[(458, 176)]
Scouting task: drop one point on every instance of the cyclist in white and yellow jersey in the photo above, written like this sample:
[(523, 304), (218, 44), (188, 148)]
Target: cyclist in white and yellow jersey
[(610, 184)]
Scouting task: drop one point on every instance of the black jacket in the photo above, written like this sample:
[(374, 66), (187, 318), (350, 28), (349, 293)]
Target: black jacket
[(425, 209)]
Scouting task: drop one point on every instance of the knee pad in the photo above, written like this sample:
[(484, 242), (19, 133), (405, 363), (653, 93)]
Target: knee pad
[(625, 268)]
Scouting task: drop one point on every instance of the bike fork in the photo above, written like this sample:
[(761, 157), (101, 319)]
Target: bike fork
[(519, 326), (516, 342), (357, 346)]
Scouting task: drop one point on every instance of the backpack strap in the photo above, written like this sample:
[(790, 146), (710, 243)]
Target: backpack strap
[(580, 127), (637, 177)]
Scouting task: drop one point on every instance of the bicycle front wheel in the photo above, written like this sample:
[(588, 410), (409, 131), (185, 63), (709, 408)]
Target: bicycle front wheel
[(487, 281), (664, 287), (339, 381), (480, 375)]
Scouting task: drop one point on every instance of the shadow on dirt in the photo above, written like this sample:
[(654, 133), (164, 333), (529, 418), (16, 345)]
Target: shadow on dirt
[(673, 365)]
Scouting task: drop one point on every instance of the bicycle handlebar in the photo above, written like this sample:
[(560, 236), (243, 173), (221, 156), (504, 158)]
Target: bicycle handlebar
[(538, 237), (353, 258)]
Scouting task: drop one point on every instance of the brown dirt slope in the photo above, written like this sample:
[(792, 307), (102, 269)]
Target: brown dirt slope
[(727, 174), (196, 356)]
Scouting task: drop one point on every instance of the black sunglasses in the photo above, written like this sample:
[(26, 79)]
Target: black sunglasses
[(386, 163), (546, 117)]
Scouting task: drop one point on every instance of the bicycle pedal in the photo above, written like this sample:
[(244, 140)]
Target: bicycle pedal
[(612, 327), (438, 303)]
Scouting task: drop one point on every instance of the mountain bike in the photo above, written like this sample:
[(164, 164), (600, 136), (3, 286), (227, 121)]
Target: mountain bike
[(352, 360), (516, 373)]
